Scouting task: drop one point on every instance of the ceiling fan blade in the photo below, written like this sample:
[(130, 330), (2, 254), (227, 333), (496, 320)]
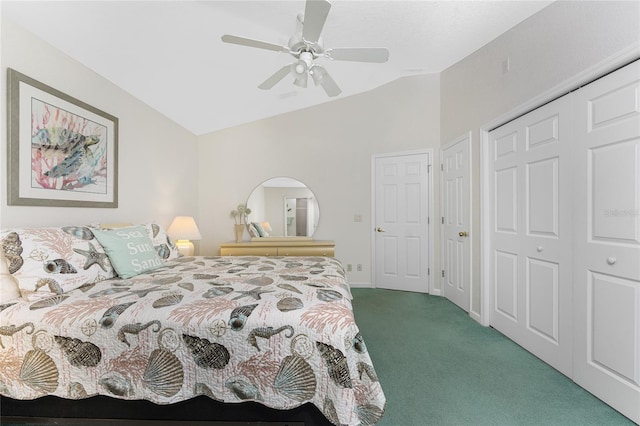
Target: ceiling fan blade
[(275, 78), (359, 54), (253, 43), (322, 77), (330, 86), (315, 14)]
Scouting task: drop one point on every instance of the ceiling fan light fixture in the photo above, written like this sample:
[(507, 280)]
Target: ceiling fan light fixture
[(317, 74), (301, 81), (300, 68)]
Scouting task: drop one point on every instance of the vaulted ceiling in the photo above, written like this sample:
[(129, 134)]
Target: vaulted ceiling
[(169, 54)]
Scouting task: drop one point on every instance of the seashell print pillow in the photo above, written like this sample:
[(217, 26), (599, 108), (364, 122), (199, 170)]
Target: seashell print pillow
[(164, 245), (50, 260)]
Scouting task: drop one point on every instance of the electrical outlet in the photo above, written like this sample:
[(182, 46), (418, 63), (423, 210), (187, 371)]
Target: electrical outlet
[(359, 267), (349, 267)]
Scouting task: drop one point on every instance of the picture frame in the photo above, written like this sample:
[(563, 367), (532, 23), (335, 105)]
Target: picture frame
[(62, 152)]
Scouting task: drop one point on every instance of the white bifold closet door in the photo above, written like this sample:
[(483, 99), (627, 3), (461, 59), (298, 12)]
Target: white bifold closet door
[(564, 187), (532, 232), (607, 244)]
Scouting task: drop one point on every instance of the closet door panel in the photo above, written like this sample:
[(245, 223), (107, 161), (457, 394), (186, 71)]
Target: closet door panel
[(506, 207), (542, 299), (532, 232), (614, 193), (607, 240), (613, 337), (542, 198), (506, 292)]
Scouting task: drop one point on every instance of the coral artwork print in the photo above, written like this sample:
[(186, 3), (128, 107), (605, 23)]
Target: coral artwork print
[(68, 151)]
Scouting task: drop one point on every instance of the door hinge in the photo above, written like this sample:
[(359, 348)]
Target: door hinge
[(443, 273), (443, 220), (428, 221), (441, 167), (428, 271)]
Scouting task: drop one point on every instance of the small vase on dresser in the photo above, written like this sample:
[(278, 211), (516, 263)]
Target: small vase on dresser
[(240, 232)]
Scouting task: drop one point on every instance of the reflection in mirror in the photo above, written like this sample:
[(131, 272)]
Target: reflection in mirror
[(287, 205)]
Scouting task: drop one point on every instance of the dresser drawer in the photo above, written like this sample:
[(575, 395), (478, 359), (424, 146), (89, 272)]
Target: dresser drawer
[(249, 251), (305, 251), (279, 247)]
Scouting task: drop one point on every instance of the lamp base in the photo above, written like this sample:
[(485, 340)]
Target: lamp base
[(185, 247)]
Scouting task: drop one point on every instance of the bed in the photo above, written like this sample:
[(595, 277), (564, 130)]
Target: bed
[(273, 331)]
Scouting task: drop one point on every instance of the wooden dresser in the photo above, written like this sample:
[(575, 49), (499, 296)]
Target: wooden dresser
[(279, 248)]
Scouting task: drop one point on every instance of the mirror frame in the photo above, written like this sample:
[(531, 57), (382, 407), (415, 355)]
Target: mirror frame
[(279, 228)]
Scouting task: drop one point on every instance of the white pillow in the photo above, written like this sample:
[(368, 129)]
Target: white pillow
[(9, 289)]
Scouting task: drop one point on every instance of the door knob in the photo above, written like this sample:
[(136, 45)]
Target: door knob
[(379, 229), (463, 234)]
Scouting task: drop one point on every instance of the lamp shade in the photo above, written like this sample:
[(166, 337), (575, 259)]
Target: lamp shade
[(184, 228)]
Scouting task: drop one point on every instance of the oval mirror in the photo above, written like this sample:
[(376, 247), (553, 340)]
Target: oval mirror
[(287, 206)]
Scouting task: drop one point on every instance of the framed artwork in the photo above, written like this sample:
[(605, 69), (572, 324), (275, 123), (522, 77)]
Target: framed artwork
[(62, 152)]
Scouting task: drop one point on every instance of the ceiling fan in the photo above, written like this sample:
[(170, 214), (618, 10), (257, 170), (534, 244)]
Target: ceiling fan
[(306, 46)]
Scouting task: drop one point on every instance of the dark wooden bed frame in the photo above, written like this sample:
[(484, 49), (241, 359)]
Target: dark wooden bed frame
[(200, 410)]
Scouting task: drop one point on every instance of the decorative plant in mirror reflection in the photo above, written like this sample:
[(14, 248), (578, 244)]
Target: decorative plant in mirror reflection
[(241, 214)]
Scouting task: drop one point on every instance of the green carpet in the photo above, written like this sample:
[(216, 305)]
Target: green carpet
[(437, 366)]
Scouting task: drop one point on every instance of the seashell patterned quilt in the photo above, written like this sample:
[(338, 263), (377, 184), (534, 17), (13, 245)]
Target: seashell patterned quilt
[(276, 330)]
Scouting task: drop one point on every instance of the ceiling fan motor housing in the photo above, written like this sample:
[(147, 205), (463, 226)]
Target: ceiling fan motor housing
[(298, 45)]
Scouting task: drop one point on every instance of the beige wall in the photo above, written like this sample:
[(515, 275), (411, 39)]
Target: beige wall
[(154, 182), (329, 148), (551, 47)]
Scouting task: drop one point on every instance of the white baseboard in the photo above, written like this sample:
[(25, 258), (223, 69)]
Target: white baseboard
[(360, 285), (476, 316), (434, 292)]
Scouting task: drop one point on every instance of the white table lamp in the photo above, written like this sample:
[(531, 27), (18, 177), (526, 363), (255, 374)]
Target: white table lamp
[(183, 229)]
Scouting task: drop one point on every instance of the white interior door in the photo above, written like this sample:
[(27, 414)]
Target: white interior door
[(455, 203), (401, 216), (607, 244), (531, 263)]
